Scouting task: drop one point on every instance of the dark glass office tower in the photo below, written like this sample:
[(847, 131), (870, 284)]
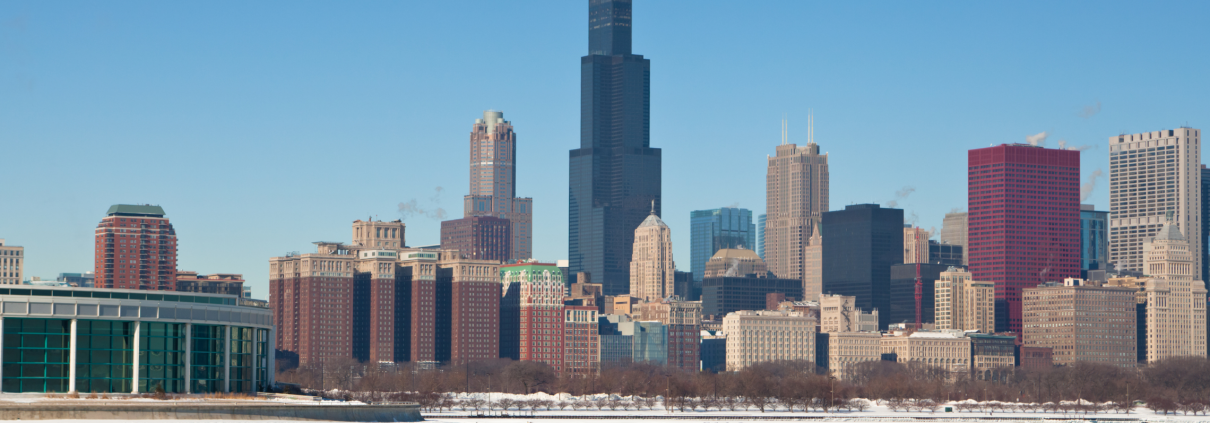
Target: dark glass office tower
[(615, 174), (863, 242)]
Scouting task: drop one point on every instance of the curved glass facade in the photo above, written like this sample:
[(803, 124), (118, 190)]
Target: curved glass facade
[(109, 341)]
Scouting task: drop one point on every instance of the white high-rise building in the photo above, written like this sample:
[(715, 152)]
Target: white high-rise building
[(652, 271), (1150, 174)]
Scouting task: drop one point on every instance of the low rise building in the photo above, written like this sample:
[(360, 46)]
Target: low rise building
[(764, 335), (216, 283), (581, 341), (714, 351), (1081, 322), (848, 348), (684, 322), (992, 356), (949, 350)]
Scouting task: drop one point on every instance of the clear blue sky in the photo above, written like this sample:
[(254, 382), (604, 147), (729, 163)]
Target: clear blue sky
[(263, 126)]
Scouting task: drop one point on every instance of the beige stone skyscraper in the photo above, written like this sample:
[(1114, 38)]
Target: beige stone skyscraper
[(796, 194), (915, 245), (812, 278), (963, 304), (12, 259), (1176, 299), (651, 267), (953, 231)]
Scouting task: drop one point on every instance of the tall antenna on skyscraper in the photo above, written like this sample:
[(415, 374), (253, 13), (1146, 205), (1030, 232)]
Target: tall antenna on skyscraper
[(783, 129), (810, 126)]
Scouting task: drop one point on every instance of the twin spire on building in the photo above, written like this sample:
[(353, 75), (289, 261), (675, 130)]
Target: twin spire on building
[(785, 128)]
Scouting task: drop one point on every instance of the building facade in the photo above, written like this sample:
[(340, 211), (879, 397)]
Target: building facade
[(652, 270), (532, 313), (764, 335), (1151, 173), (216, 283), (493, 186), (812, 278), (1081, 323), (130, 341), (12, 264), (796, 193), (479, 237), (581, 341), (953, 231), (848, 348), (903, 292), (1024, 204), (915, 244), (1094, 239), (838, 313), (992, 356), (760, 236), (949, 350), (862, 243), (135, 249), (963, 304), (615, 174), (684, 322), (716, 229), (1176, 302)]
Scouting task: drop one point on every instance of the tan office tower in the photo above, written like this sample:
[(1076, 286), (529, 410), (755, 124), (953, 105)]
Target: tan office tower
[(796, 194), (1176, 301), (812, 278), (1150, 174), (1056, 316), (12, 259), (915, 245), (493, 181), (652, 270), (953, 231), (379, 235), (963, 304)]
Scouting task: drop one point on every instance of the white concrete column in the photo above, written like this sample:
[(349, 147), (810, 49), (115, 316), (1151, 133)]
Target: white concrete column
[(255, 361), (226, 358), (71, 357), (134, 386), (271, 371), (188, 356)]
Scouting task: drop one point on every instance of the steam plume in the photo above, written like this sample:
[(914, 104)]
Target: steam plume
[(900, 195), (1090, 110), (412, 207), (1038, 139), (1089, 185)]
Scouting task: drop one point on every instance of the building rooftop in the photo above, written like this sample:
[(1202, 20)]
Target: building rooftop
[(736, 253), (135, 210)]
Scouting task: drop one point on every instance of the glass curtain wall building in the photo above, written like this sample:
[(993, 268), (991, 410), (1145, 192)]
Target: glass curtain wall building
[(760, 236), (1094, 239), (716, 229), (61, 339), (614, 177)]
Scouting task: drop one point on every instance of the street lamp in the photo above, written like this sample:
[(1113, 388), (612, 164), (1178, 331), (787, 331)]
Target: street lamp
[(831, 403)]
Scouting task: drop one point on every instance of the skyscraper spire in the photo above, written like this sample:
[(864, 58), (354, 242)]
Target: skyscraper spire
[(784, 127), (810, 126)]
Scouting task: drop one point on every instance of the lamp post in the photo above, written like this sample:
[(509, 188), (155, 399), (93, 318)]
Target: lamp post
[(832, 402)]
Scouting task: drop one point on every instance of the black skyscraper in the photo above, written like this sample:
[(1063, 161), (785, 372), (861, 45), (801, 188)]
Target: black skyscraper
[(863, 241), (615, 174)]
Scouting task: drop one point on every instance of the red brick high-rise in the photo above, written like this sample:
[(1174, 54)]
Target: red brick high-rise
[(1024, 222), (135, 249), (581, 341), (379, 304), (532, 312)]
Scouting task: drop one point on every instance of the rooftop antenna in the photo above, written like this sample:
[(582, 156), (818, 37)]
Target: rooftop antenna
[(810, 126), (783, 129)]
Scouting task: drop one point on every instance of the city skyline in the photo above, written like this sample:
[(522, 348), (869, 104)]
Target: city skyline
[(210, 153)]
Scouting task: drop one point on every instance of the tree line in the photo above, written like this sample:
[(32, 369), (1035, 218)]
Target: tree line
[(1174, 385)]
